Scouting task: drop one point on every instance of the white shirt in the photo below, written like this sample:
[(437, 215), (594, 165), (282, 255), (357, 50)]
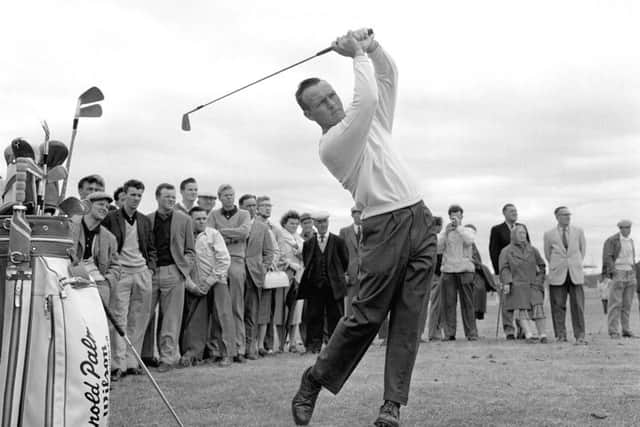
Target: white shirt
[(358, 150), (625, 259), (212, 256)]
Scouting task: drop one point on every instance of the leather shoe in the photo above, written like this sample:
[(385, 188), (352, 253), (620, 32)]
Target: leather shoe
[(151, 362), (239, 359), (164, 367), (511, 337), (116, 374), (389, 415), (251, 356), (134, 371), (225, 362), (628, 334), (304, 401)]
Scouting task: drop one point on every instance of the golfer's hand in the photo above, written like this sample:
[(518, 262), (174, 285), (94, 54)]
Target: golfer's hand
[(348, 46), (366, 41)]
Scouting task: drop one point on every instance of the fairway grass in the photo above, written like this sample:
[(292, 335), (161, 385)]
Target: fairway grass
[(484, 383)]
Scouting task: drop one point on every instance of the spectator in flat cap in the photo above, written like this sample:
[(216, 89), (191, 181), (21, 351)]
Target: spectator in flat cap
[(90, 184), (94, 251), (323, 284), (207, 201), (618, 267), (306, 225), (351, 235)]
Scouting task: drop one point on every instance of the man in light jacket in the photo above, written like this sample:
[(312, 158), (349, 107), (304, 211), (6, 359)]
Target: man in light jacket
[(564, 249)]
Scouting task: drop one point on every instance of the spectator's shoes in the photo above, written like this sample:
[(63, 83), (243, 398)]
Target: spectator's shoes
[(262, 352), (614, 336), (304, 401), (116, 374), (389, 415), (134, 371), (225, 362), (185, 362), (451, 338), (240, 359), (581, 341), (164, 367), (151, 362), (511, 337), (628, 334), (251, 356), (472, 338), (544, 340), (562, 338)]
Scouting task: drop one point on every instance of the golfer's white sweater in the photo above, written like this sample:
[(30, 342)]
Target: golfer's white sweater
[(358, 150)]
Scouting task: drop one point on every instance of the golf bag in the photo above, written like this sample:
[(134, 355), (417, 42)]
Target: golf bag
[(54, 347)]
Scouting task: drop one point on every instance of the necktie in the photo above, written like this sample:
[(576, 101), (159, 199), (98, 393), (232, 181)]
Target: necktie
[(358, 233), (322, 238), (565, 241)]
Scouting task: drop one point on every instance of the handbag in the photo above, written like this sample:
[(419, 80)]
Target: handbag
[(276, 279)]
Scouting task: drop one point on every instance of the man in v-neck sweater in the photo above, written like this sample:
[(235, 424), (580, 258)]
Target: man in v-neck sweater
[(234, 224), (131, 298)]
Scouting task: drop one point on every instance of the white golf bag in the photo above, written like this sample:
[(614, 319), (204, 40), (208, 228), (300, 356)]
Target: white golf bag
[(54, 347)]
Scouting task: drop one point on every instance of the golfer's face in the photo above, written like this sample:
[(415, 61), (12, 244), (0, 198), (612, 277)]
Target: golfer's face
[(133, 198), (323, 104), (199, 221), (190, 192), (167, 199)]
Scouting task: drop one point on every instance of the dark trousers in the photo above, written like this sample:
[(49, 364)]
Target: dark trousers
[(558, 300), (319, 303), (195, 326), (397, 257), (454, 284), (251, 307)]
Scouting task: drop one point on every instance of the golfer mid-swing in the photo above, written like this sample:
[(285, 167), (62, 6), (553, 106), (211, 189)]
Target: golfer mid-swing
[(398, 243)]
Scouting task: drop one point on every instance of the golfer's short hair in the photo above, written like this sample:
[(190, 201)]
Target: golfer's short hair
[(164, 186), (556, 210), (90, 179), (260, 200), (196, 209), (245, 197), (455, 208), (117, 193), (507, 206), (304, 85), (437, 221), (223, 188), (291, 214), (133, 183), (184, 183)]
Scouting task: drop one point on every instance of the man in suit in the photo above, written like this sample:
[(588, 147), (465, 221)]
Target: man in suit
[(323, 284), (500, 238), (351, 236), (131, 298), (564, 249), (259, 258), (234, 224), (174, 241)]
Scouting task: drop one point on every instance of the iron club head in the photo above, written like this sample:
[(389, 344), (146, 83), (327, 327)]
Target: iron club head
[(186, 124), (91, 95), (94, 110)]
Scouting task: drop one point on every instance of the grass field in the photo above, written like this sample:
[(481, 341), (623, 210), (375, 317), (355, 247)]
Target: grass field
[(485, 383)]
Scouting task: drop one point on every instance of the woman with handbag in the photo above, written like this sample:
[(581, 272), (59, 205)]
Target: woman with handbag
[(522, 271), (290, 244)]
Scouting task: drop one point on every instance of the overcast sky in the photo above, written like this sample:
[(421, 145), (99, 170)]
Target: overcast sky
[(534, 103)]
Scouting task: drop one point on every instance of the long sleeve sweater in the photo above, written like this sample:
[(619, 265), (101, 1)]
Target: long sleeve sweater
[(235, 230), (358, 150)]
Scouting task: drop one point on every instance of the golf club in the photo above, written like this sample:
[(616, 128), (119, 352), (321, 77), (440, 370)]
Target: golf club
[(141, 363), (43, 182), (90, 96), (499, 312), (186, 123)]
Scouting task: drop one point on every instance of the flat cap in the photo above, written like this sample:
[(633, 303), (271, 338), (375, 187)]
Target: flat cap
[(624, 223), (208, 194), (356, 208), (305, 216), (320, 215), (99, 195)]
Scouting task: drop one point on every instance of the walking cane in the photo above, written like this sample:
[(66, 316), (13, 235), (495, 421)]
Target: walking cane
[(144, 367), (499, 312)]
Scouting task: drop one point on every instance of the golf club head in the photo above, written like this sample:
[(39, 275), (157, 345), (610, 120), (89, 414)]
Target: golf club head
[(21, 148), (186, 124), (45, 128), (94, 110), (58, 153), (72, 206), (93, 94)]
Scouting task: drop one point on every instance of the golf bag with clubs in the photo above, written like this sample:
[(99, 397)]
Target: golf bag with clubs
[(54, 337)]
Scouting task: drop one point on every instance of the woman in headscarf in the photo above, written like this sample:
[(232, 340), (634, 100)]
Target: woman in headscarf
[(522, 271), (290, 244)]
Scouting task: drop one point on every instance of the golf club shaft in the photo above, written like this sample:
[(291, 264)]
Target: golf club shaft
[(63, 192), (141, 363), (499, 313), (322, 52)]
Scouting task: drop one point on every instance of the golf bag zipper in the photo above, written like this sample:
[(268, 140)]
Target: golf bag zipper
[(12, 274), (51, 366)]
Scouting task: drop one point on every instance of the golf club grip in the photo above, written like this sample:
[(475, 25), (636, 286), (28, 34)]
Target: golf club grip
[(330, 48)]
